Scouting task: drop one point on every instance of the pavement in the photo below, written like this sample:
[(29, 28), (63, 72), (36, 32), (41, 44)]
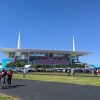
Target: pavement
[(40, 90)]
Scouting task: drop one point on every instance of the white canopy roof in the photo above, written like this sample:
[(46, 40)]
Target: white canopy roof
[(72, 53)]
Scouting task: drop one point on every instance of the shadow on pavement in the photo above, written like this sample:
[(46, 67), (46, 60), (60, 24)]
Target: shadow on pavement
[(13, 86)]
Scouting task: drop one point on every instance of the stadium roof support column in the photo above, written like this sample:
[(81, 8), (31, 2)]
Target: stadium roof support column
[(77, 59), (18, 47), (73, 44), (70, 60), (28, 60)]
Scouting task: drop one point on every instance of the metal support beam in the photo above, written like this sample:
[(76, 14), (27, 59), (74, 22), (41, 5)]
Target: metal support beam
[(28, 58), (77, 59), (70, 60)]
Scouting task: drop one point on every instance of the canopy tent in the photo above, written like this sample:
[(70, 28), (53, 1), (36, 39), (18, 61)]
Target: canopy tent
[(95, 66)]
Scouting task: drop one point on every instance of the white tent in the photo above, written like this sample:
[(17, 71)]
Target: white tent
[(27, 66)]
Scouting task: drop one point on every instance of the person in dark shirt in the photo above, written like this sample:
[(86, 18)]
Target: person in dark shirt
[(4, 73)]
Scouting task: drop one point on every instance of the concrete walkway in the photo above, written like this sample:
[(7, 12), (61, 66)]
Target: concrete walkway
[(39, 90)]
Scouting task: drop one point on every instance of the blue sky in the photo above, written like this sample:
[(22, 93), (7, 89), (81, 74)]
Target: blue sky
[(50, 24)]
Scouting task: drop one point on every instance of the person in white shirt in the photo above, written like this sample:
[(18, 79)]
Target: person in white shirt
[(24, 73)]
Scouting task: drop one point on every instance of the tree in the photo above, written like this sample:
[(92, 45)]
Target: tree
[(10, 64), (19, 64), (15, 64), (34, 65), (76, 65)]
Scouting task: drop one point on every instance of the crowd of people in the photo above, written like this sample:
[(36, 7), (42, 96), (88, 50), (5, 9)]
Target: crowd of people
[(5, 78), (74, 71)]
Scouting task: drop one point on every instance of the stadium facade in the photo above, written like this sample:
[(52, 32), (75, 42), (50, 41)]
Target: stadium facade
[(47, 57)]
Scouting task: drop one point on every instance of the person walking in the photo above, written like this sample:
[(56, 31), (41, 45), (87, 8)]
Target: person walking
[(9, 77), (0, 77), (24, 73), (69, 72), (95, 72), (73, 71), (3, 78)]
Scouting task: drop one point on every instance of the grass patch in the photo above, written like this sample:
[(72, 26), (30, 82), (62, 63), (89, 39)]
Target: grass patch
[(6, 97), (82, 79)]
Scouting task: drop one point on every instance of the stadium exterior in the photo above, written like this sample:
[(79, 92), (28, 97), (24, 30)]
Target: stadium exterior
[(44, 57), (32, 56)]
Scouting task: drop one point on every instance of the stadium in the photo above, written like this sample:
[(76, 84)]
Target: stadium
[(41, 57)]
